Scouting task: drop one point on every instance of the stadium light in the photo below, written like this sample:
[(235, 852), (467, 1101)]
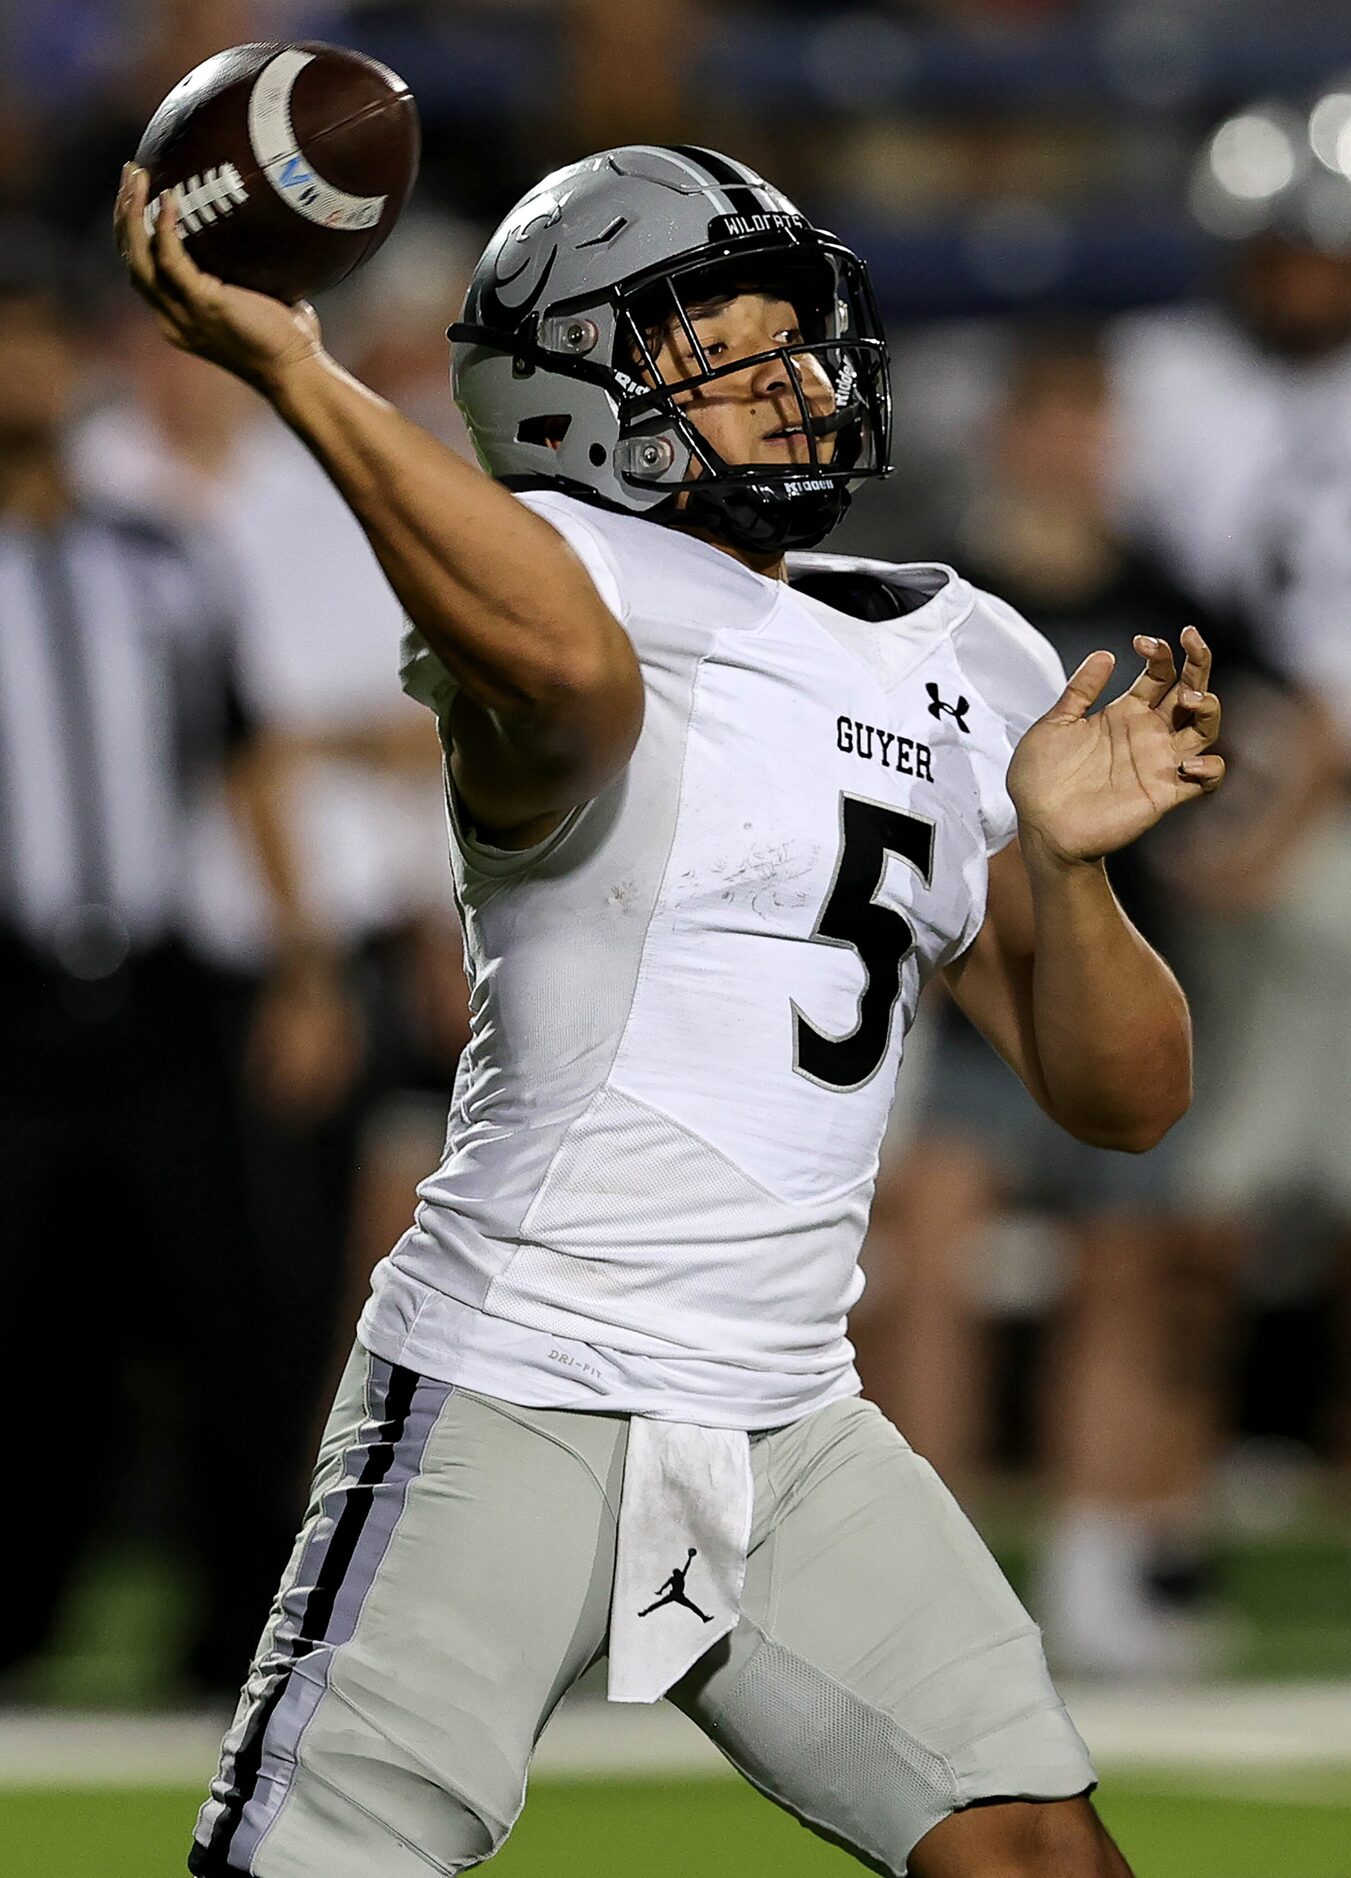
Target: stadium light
[(1330, 131), (1253, 156)]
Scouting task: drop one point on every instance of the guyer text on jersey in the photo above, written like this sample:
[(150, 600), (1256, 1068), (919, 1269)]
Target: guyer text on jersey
[(886, 747)]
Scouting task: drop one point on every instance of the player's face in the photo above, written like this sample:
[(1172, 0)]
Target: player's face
[(751, 416)]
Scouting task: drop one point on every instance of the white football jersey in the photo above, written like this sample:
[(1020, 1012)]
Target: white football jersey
[(689, 1003)]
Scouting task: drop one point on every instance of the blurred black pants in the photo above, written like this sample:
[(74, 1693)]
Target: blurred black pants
[(129, 1272)]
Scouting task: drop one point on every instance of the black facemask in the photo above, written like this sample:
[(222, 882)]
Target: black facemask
[(761, 520)]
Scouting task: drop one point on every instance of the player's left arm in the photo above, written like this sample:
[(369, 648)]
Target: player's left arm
[(1058, 979)]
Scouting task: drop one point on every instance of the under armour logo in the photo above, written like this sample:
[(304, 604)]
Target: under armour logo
[(938, 705), (673, 1591)]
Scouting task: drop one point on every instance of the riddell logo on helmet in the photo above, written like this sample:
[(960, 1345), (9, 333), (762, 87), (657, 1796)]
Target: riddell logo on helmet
[(799, 486), (724, 225)]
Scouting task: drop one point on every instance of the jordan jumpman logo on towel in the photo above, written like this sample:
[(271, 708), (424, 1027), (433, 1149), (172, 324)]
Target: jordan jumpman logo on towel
[(673, 1591)]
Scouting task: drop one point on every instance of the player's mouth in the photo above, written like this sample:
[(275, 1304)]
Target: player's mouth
[(790, 441), (793, 441)]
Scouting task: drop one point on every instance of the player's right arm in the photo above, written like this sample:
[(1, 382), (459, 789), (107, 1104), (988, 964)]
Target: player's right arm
[(550, 697)]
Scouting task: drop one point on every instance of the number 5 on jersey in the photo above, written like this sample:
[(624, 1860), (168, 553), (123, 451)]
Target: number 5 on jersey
[(882, 937)]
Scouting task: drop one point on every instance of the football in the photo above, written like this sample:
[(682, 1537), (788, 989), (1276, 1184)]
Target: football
[(290, 164)]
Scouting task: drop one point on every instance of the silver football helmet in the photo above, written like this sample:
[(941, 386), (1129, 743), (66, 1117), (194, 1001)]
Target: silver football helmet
[(553, 358)]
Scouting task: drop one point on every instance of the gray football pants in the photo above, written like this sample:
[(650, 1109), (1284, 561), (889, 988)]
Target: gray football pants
[(452, 1581)]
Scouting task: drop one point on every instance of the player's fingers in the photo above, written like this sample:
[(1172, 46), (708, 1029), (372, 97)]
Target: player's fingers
[(180, 279), (1200, 724), (146, 278), (1200, 775), (1160, 673), (1085, 687), (172, 332), (132, 239), (120, 202), (1196, 668)]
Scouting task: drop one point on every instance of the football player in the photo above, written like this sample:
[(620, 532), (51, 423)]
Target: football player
[(717, 811)]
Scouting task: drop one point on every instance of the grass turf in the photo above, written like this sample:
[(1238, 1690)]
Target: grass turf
[(711, 1829)]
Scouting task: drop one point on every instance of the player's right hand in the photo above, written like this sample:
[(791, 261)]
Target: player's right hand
[(255, 337)]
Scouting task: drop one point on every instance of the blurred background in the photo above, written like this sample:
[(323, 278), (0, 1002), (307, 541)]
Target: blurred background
[(1112, 243)]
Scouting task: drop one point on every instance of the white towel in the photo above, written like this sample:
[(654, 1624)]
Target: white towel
[(684, 1525)]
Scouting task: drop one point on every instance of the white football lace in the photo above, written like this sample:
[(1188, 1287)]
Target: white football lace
[(202, 199)]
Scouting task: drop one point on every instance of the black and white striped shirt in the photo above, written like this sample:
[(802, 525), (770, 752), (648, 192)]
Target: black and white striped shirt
[(118, 695)]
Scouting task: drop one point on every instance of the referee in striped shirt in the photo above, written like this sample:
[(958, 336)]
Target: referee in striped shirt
[(124, 1250)]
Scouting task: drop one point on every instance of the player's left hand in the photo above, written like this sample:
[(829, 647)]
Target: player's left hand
[(1086, 786)]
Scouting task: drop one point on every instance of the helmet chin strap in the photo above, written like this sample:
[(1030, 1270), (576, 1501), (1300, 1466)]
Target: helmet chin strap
[(762, 523)]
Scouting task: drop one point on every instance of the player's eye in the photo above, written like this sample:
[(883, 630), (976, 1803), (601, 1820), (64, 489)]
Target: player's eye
[(688, 356)]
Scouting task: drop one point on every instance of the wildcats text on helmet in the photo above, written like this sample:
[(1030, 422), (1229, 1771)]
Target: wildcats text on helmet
[(729, 227)]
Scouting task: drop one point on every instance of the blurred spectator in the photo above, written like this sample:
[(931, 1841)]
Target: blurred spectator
[(1119, 1395), (18, 151), (1237, 450), (332, 1181), (392, 319), (121, 699), (629, 69), (1238, 465), (514, 88)]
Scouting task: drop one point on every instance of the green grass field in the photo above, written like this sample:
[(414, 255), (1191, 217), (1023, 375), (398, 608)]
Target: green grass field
[(715, 1829)]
